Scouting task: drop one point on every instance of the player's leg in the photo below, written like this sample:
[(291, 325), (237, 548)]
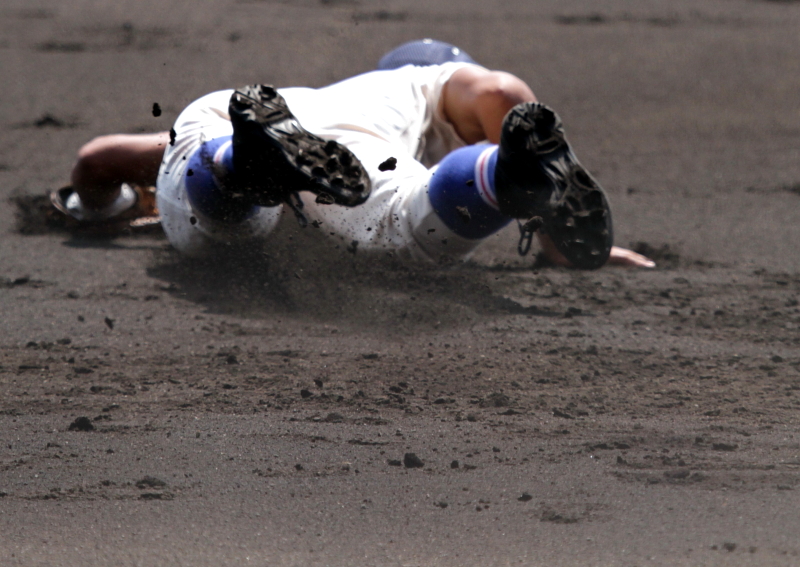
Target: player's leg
[(475, 191), (400, 215), (275, 157), (194, 168), (237, 156), (577, 220), (460, 197), (536, 171), (398, 115), (385, 119)]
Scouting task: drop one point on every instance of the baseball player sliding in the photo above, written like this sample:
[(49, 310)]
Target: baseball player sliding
[(426, 157)]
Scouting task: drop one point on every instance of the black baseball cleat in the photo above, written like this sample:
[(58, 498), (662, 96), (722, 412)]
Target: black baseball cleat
[(275, 157), (538, 175)]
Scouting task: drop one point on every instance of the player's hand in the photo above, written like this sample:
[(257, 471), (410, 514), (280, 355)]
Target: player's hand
[(624, 257), (617, 257)]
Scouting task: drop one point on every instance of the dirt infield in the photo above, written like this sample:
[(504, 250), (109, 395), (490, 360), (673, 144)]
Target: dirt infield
[(306, 404)]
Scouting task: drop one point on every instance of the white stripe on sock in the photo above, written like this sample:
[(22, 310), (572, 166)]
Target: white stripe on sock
[(482, 181), (220, 153)]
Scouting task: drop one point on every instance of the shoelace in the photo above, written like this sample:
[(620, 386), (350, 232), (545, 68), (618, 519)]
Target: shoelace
[(294, 202), (526, 232)]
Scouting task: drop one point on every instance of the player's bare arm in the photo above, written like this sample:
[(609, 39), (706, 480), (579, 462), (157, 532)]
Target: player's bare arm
[(108, 161), (476, 100)]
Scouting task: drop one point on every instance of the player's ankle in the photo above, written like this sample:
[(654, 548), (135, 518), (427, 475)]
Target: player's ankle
[(211, 183)]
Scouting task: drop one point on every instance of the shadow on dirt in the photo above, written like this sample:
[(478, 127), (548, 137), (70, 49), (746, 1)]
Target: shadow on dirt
[(298, 272), (35, 215), (302, 274)]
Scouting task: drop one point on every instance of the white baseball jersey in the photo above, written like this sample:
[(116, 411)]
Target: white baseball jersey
[(377, 115)]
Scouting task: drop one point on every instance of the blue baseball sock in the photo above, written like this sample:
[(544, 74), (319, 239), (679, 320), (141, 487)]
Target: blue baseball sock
[(462, 193), (205, 173)]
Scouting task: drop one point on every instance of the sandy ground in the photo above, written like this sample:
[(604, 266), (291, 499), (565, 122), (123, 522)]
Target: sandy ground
[(264, 409)]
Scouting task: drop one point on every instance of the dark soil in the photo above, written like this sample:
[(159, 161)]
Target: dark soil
[(310, 404)]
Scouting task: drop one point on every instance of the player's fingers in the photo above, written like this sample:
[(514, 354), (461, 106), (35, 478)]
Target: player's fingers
[(624, 257)]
